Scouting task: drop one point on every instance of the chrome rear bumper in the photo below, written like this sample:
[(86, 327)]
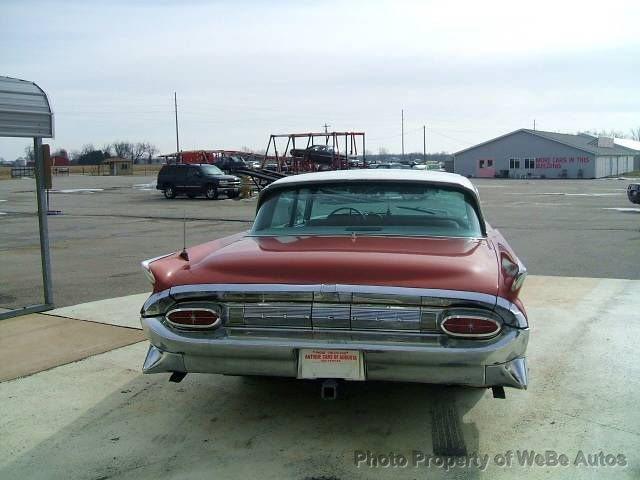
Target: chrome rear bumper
[(432, 359)]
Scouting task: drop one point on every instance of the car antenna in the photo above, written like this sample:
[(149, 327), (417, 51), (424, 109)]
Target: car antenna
[(183, 254)]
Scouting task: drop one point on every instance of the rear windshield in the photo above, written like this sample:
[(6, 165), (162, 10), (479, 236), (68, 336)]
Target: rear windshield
[(380, 208)]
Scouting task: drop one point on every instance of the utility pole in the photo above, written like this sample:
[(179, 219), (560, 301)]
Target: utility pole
[(424, 142), (534, 124), (175, 107), (403, 133), (326, 128)]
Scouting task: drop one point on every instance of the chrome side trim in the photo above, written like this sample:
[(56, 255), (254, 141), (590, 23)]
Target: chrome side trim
[(145, 263), (507, 308), (157, 304), (519, 279)]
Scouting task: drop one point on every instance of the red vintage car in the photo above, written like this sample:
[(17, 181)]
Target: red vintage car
[(347, 275)]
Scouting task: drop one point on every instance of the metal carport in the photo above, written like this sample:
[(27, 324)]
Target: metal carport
[(25, 111)]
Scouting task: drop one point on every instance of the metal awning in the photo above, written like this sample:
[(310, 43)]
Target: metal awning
[(25, 111)]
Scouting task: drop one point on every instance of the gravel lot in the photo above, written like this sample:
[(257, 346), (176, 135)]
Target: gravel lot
[(109, 224)]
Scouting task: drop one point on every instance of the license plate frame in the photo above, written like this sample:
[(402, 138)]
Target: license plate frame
[(314, 363)]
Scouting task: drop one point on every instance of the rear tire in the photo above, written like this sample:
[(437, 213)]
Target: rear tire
[(211, 192), (169, 191)]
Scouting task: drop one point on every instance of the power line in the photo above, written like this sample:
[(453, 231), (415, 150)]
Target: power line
[(457, 140)]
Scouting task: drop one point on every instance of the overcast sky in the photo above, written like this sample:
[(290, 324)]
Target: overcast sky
[(470, 70)]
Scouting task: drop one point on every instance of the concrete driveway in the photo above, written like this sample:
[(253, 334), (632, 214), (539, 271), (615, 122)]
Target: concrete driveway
[(100, 418)]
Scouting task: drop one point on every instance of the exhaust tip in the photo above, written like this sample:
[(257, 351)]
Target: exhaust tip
[(498, 392), (177, 377)]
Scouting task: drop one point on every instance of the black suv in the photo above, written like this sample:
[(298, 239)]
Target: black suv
[(196, 179)]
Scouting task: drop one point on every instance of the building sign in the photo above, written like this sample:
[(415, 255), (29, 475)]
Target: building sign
[(559, 162)]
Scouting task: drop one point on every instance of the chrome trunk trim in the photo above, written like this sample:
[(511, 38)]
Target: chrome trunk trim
[(380, 317), (332, 301), (424, 296)]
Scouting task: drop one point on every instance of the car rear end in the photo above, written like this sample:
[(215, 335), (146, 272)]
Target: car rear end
[(163, 176), (367, 275), (345, 332)]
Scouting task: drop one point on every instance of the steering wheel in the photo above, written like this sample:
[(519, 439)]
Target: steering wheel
[(349, 209)]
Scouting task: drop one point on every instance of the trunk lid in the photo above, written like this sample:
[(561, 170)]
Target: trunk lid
[(440, 263)]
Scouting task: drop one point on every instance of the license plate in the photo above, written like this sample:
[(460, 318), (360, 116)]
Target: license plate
[(317, 363)]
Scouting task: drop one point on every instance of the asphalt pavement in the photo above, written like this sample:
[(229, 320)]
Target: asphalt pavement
[(582, 228)]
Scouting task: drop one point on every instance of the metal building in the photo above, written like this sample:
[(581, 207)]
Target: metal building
[(536, 154)]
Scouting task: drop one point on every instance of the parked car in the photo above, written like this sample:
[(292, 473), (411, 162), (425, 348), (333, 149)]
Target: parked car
[(396, 166), (317, 153), (196, 179), (354, 275), (633, 192), (231, 163), (274, 167)]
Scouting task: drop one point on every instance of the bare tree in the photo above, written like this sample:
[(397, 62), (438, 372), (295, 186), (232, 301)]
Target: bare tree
[(122, 149), (106, 148), (133, 151), (137, 151), (151, 151), (87, 148), (604, 133), (635, 134), (29, 154), (611, 133), (74, 155), (61, 152)]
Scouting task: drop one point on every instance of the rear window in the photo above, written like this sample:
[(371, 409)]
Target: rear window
[(380, 208)]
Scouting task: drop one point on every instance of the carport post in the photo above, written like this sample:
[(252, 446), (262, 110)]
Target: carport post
[(42, 220)]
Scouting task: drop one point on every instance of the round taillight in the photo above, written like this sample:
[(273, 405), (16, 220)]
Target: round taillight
[(470, 326), (194, 318)]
